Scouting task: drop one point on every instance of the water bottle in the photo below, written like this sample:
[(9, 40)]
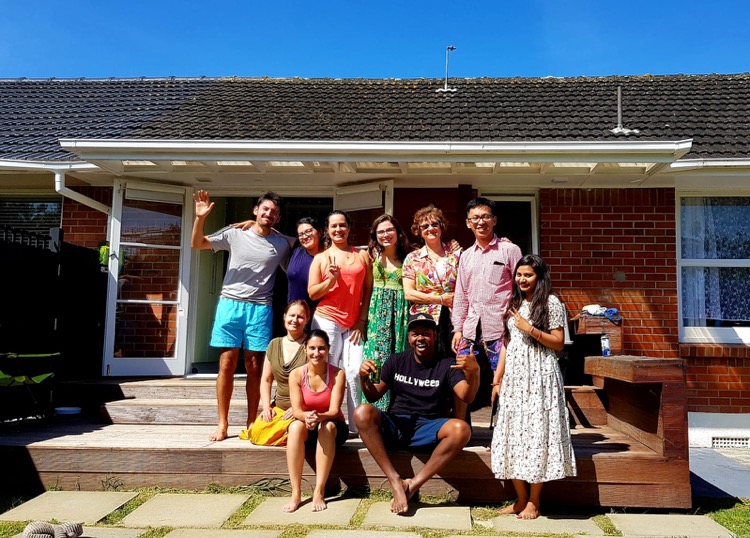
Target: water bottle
[(375, 376), (606, 350)]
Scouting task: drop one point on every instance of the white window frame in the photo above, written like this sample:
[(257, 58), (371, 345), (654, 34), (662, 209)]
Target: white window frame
[(713, 335)]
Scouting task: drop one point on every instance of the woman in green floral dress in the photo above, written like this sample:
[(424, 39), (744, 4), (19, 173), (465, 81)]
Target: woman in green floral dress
[(389, 310)]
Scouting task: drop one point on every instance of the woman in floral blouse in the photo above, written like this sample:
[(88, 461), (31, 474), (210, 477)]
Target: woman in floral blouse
[(430, 273)]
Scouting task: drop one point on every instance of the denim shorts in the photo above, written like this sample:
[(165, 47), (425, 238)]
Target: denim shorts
[(410, 431), (239, 324)]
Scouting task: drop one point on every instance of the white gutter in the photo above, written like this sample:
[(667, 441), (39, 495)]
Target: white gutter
[(697, 164), (45, 166), (60, 188), (158, 150), (59, 168)]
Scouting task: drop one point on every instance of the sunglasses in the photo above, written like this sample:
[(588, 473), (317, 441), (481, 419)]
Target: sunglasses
[(428, 225)]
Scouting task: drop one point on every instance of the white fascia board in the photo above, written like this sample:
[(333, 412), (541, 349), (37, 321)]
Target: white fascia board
[(697, 164), (89, 149), (45, 166)]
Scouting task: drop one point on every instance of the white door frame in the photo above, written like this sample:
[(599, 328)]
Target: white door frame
[(167, 366)]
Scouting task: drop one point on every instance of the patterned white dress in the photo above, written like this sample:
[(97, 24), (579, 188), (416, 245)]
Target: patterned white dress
[(531, 439)]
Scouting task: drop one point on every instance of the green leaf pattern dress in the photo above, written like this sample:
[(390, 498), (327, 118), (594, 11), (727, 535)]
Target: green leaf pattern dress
[(387, 317)]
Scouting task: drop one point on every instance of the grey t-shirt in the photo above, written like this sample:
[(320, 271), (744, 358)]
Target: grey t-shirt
[(253, 260)]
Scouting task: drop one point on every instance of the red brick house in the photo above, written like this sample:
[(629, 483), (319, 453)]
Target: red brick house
[(644, 206)]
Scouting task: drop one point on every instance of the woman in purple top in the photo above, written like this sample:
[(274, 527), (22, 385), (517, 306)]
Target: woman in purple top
[(298, 270), (304, 249)]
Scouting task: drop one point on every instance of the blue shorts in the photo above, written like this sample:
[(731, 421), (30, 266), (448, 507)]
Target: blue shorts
[(242, 325), (410, 431)]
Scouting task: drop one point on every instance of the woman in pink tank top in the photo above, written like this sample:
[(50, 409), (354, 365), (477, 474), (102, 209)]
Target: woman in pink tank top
[(316, 391), (341, 278)]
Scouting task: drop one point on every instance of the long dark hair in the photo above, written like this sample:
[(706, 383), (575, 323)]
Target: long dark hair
[(327, 238), (403, 246), (318, 333), (539, 309)]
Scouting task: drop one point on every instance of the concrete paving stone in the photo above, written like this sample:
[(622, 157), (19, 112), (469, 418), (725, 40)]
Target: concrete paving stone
[(110, 532), (361, 534), (269, 512), (661, 525), (105, 532), (220, 533), (185, 510), (69, 506), (431, 516), (740, 455), (549, 524)]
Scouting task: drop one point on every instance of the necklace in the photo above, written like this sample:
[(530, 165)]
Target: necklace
[(289, 349)]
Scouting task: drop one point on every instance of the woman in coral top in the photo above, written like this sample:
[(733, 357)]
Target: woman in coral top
[(316, 390), (341, 278)]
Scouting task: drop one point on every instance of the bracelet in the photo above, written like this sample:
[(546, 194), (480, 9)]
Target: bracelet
[(539, 334), (441, 298)]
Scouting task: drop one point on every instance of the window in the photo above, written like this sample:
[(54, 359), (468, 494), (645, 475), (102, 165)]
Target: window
[(31, 213), (517, 220), (714, 268)]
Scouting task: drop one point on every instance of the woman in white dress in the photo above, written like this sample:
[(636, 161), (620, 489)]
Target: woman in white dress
[(531, 439)]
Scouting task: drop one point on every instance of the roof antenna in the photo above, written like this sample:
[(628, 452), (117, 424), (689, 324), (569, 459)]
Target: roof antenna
[(620, 129), (445, 88)]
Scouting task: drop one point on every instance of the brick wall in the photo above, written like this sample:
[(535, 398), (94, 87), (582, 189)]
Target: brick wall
[(83, 225), (718, 378), (616, 248)]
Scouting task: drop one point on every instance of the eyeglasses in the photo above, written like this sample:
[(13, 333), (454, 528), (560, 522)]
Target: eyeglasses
[(476, 218), (306, 233), (387, 231), (428, 225)]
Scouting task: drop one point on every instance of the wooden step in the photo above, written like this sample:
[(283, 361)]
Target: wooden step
[(171, 411), (111, 389), (586, 405), (613, 469)]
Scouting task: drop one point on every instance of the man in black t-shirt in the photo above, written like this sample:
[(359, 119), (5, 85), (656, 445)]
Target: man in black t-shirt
[(422, 386)]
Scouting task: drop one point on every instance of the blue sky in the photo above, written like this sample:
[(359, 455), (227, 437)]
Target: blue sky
[(376, 39)]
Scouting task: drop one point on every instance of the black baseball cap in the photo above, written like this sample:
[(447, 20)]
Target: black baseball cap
[(421, 319)]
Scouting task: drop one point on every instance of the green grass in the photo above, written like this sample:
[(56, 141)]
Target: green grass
[(735, 518)]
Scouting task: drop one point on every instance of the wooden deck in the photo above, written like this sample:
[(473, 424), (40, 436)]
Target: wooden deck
[(628, 442), (81, 454)]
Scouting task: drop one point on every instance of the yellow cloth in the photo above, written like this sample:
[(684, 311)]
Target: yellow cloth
[(272, 433)]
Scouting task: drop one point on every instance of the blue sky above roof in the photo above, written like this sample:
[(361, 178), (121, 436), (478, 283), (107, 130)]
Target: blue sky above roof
[(94, 38)]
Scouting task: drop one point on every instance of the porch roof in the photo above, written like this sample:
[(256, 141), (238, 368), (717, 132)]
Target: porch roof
[(529, 163)]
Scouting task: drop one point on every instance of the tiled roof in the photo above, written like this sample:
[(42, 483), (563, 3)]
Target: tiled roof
[(714, 110)]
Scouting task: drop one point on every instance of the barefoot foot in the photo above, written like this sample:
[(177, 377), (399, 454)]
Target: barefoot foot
[(530, 512), (400, 502), (219, 435), (514, 508), (292, 505), (409, 489), (318, 503)]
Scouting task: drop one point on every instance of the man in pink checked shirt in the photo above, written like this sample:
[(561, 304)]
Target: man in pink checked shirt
[(483, 290)]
